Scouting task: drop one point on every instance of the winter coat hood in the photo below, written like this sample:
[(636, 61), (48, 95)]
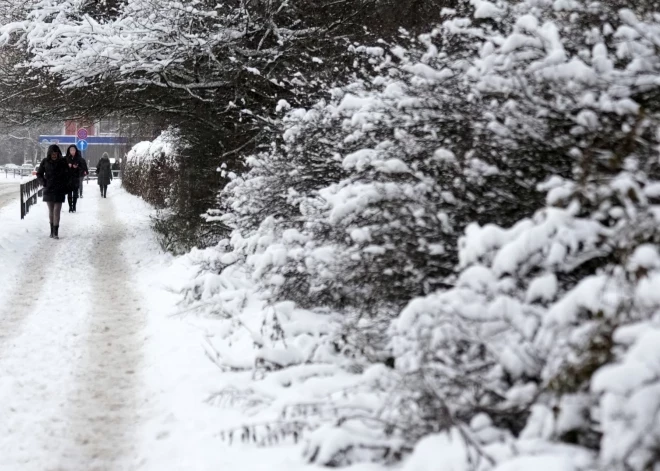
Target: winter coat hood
[(54, 148), (77, 153)]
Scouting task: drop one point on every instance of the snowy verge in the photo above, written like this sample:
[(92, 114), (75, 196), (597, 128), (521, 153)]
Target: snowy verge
[(18, 238), (183, 422), (509, 350)]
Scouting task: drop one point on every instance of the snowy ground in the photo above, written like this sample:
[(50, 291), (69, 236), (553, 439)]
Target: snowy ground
[(98, 369), (8, 190)]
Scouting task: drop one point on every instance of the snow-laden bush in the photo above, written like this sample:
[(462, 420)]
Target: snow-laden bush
[(159, 171), (463, 249), (151, 168), (371, 188), (542, 335), (545, 315)]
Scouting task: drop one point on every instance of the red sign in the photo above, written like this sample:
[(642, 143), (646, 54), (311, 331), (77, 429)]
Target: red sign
[(82, 133)]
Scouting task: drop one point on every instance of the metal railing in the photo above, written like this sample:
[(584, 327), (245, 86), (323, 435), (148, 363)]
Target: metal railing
[(16, 172), (30, 192), (92, 175)]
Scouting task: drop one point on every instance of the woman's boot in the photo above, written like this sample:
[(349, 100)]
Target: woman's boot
[(51, 230), (56, 230)]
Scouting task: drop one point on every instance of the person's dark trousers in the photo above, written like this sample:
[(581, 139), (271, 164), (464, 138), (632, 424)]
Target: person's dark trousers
[(73, 199), (104, 191), (54, 210)]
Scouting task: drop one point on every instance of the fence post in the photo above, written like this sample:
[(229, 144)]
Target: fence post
[(29, 195), (22, 202)]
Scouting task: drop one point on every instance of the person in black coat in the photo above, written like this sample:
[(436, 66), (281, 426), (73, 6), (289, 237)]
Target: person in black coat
[(83, 174), (53, 174), (77, 169), (104, 173)]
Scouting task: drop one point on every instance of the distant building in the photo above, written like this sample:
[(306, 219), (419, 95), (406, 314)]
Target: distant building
[(93, 138)]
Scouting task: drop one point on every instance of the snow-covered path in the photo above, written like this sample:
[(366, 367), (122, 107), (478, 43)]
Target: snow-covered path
[(102, 408), (70, 348), (99, 369)]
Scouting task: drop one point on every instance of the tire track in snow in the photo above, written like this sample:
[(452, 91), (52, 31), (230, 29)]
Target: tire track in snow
[(25, 292), (103, 407)]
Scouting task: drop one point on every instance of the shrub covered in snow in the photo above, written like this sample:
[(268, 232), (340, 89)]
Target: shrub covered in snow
[(150, 170), (154, 172), (370, 189)]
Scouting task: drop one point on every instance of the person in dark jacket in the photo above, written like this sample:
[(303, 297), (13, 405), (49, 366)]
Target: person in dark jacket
[(53, 174), (104, 173), (83, 175), (76, 170)]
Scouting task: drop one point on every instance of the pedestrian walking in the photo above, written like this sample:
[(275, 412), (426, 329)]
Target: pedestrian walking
[(116, 169), (77, 169), (83, 175), (104, 173), (53, 174)]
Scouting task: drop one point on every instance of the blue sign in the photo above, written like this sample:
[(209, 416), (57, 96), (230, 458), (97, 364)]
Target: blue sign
[(82, 144), (91, 140), (48, 140)]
